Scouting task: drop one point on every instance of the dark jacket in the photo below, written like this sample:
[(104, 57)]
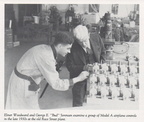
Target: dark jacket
[(75, 61)]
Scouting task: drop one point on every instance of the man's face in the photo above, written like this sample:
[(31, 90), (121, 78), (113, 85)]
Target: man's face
[(64, 49), (84, 43)]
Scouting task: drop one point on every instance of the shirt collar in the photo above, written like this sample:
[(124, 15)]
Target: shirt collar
[(54, 51)]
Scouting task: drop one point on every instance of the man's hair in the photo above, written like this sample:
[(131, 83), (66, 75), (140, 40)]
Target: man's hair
[(63, 38), (81, 33)]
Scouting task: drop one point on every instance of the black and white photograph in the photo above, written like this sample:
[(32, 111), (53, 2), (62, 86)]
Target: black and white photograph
[(72, 57)]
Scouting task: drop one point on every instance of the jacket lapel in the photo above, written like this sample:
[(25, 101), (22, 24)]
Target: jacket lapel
[(81, 56), (80, 53)]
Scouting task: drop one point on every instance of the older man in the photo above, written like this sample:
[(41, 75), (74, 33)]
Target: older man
[(35, 65), (85, 51)]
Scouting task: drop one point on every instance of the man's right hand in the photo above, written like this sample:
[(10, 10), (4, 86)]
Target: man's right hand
[(83, 75)]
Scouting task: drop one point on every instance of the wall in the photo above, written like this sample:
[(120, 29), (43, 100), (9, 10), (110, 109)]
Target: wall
[(79, 8), (15, 7), (123, 9)]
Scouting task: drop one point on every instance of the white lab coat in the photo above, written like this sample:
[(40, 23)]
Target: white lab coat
[(39, 63)]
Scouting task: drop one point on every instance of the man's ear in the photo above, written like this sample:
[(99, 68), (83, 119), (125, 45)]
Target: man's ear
[(59, 46)]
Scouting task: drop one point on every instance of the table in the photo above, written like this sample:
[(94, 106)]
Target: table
[(111, 104), (96, 102)]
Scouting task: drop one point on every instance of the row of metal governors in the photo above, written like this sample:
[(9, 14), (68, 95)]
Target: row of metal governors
[(122, 85), (117, 67)]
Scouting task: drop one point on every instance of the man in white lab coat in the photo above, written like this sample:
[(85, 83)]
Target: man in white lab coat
[(35, 65)]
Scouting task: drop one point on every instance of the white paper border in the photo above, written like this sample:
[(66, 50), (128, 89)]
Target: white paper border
[(139, 113)]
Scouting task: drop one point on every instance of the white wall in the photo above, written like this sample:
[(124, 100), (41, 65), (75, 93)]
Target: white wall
[(60, 7), (104, 8), (79, 8), (123, 9)]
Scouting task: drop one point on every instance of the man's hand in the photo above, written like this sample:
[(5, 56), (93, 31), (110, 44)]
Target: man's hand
[(88, 67), (83, 75)]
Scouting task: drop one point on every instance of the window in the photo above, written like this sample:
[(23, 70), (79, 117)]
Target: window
[(115, 8), (94, 8)]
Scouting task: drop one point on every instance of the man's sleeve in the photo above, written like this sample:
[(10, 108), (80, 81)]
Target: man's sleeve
[(72, 67), (46, 65)]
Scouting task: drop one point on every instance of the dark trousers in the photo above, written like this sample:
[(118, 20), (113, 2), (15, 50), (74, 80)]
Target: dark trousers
[(79, 93)]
